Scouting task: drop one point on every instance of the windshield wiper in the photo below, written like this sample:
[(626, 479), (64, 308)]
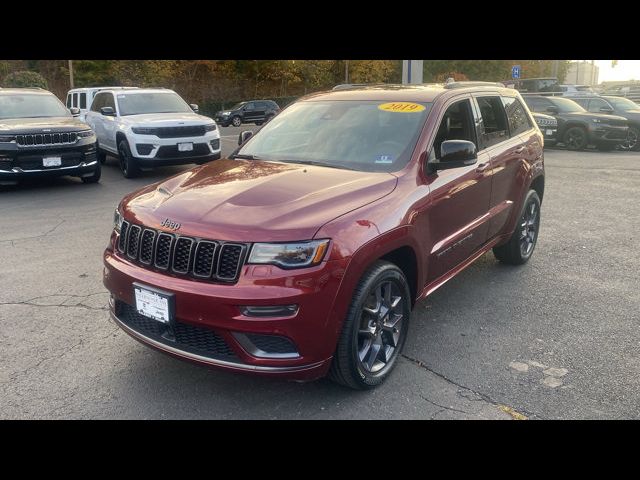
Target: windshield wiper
[(318, 164)]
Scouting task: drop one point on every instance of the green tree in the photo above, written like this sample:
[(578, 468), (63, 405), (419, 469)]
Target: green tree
[(25, 78)]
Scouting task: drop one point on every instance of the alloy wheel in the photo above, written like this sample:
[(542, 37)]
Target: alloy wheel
[(529, 229), (381, 327), (576, 139), (631, 141)]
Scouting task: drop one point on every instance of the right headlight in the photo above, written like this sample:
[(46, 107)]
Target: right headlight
[(289, 255), (117, 220)]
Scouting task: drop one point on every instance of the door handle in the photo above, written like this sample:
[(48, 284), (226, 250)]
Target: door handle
[(482, 167)]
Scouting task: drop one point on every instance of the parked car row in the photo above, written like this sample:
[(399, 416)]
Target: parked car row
[(142, 127)]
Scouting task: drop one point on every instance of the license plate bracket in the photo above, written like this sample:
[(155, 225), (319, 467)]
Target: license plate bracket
[(154, 303), (51, 161)]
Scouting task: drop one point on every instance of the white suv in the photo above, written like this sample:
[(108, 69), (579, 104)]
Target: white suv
[(149, 127)]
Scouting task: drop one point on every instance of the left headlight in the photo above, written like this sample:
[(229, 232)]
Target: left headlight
[(117, 220), (85, 134), (290, 255), (210, 127)]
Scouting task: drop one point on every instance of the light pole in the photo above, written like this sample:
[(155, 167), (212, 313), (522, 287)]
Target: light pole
[(71, 73)]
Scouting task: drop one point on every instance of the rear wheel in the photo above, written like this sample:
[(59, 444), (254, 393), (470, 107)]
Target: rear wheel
[(519, 248), (375, 329), (128, 164), (576, 138), (632, 141)]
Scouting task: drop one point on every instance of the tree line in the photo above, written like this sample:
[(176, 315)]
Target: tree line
[(203, 81)]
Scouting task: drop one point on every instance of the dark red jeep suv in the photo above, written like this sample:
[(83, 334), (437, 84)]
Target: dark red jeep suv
[(303, 253)]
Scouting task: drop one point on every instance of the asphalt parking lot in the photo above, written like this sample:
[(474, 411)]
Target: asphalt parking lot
[(557, 338)]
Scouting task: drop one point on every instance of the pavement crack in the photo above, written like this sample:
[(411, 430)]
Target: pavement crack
[(62, 303), (48, 232), (442, 407)]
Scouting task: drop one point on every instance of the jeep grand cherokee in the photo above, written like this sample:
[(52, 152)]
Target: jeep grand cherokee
[(304, 252), (39, 137)]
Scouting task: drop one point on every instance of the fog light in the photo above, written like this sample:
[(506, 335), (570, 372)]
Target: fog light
[(215, 144), (269, 311)]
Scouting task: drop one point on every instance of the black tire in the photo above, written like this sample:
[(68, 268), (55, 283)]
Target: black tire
[(348, 368), (259, 122), (128, 164), (575, 138), (519, 249), (236, 121), (95, 178), (632, 143)]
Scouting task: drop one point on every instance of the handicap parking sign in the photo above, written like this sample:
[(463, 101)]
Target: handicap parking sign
[(515, 71)]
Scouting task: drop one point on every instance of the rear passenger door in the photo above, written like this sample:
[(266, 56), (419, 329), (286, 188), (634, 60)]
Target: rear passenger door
[(261, 110), (250, 112), (503, 120)]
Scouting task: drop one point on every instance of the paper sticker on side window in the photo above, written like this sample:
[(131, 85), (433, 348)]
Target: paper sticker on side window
[(401, 107)]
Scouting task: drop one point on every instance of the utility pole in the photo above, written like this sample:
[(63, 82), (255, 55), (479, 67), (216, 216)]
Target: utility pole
[(71, 73), (346, 71)]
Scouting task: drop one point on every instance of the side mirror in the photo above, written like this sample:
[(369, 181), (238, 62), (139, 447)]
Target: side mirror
[(108, 111), (553, 110), (75, 111), (454, 154), (244, 136), (194, 107), (606, 109)]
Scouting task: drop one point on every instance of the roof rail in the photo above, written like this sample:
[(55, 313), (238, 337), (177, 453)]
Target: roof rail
[(466, 84)]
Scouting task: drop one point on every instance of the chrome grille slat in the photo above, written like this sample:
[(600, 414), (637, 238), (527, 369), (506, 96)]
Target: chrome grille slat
[(197, 258)]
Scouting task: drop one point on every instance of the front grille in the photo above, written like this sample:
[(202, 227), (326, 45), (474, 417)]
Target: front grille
[(178, 132), (171, 151), (189, 338), (205, 259), (40, 139), (272, 343)]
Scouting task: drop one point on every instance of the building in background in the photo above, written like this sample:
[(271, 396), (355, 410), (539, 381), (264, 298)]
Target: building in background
[(582, 73)]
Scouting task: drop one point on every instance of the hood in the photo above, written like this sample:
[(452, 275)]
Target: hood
[(251, 200), (38, 125), (165, 119)]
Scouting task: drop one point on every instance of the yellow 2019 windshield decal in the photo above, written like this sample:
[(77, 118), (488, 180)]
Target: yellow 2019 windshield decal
[(401, 107)]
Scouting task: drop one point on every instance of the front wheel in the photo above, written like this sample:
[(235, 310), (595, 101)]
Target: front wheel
[(576, 138), (519, 248), (375, 329), (128, 164), (236, 121), (632, 142)]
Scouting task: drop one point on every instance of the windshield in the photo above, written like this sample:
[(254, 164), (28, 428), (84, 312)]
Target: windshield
[(566, 105), (356, 135), (237, 106), (161, 102), (623, 103), (24, 105)]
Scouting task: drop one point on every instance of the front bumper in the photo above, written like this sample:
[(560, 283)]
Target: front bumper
[(151, 150), (24, 163), (203, 307)]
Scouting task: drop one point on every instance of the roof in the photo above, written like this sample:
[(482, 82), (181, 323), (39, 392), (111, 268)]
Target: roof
[(403, 93), (85, 89), (32, 91), (136, 90)]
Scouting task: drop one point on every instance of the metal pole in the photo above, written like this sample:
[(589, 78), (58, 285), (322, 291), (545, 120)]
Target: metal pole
[(71, 73)]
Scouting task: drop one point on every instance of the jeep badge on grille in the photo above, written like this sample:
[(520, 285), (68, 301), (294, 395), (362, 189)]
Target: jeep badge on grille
[(170, 224)]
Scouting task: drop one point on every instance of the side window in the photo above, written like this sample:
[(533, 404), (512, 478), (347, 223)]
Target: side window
[(596, 104), (75, 100), (83, 100), (249, 107), (516, 115), (261, 105), (69, 100), (456, 124), (581, 101), (98, 102), (494, 123), (109, 101)]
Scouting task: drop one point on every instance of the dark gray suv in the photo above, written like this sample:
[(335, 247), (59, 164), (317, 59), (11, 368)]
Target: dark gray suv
[(253, 111)]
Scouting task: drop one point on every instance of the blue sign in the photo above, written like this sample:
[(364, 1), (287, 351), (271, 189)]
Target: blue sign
[(515, 71)]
